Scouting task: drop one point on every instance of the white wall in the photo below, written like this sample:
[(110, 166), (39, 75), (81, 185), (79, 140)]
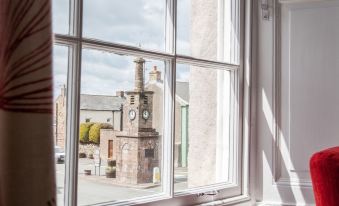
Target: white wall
[(101, 116), (203, 93), (297, 97)]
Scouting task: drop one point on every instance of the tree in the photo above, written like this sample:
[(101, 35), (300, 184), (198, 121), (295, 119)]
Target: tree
[(84, 132), (94, 132)]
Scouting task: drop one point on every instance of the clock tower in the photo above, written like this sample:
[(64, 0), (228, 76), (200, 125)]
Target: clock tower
[(138, 143)]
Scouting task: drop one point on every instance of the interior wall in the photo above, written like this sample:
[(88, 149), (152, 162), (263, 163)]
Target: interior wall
[(297, 110)]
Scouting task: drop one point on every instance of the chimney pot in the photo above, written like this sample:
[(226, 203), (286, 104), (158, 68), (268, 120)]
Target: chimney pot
[(120, 93), (155, 75), (63, 90)]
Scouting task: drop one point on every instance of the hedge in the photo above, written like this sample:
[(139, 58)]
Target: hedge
[(94, 132), (84, 132)]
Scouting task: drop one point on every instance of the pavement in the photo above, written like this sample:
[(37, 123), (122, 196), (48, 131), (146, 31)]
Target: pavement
[(96, 188)]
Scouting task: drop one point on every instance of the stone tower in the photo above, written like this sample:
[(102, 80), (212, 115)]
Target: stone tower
[(138, 143)]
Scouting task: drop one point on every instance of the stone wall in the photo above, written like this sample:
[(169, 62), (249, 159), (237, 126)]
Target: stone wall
[(127, 161), (105, 136), (203, 88), (88, 148), (136, 159), (60, 120), (146, 164)]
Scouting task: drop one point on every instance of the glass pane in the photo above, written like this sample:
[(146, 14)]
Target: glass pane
[(184, 13), (197, 22), (138, 23), (203, 32), (60, 16), (60, 65), (121, 114), (201, 127)]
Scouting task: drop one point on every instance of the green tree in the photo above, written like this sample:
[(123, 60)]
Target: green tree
[(84, 132), (94, 132)]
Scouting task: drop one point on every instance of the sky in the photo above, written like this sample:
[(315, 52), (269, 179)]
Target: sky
[(131, 22)]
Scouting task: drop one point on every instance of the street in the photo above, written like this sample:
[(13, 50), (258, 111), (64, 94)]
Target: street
[(97, 188)]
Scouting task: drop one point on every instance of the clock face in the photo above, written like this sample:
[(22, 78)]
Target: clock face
[(131, 114), (145, 114)]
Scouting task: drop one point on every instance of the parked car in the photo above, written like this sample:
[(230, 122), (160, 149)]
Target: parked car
[(59, 155)]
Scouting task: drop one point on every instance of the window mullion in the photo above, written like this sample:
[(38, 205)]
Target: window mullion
[(169, 100), (169, 125), (73, 102), (170, 26)]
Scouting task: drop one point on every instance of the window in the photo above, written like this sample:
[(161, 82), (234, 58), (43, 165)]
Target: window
[(169, 75)]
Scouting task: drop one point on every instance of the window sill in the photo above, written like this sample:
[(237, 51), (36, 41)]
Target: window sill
[(230, 201)]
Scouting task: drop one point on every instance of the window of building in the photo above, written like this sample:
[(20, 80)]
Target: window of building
[(177, 67)]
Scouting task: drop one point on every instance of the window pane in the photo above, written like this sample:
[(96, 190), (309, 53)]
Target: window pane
[(198, 34), (60, 65), (184, 12), (119, 159), (202, 127), (60, 16), (197, 22), (138, 23)]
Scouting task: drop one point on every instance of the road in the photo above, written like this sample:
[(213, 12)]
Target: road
[(97, 189)]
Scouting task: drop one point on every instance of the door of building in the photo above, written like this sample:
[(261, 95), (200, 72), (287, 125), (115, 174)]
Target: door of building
[(110, 148)]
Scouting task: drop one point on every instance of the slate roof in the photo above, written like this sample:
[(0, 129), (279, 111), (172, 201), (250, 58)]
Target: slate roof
[(100, 102), (112, 103)]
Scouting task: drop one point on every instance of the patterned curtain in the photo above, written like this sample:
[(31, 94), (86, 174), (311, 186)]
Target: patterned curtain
[(27, 175)]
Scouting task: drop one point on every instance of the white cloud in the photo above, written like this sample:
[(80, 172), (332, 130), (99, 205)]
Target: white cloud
[(60, 9), (183, 47), (131, 21), (183, 72), (105, 73), (60, 65), (128, 22), (183, 30)]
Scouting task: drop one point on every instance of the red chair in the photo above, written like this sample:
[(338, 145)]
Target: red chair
[(324, 166)]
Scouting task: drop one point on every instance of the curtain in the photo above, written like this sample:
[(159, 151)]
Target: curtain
[(27, 175)]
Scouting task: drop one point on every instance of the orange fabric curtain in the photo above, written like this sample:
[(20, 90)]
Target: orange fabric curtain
[(27, 175)]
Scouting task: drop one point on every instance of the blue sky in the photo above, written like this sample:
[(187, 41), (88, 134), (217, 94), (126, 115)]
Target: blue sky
[(131, 22)]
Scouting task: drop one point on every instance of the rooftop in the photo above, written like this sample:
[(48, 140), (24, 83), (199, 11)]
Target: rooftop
[(100, 102)]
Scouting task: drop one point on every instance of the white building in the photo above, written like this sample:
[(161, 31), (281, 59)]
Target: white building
[(93, 108)]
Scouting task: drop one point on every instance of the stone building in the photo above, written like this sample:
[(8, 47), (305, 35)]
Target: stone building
[(181, 114), (155, 84), (93, 108), (60, 118), (108, 109), (137, 147)]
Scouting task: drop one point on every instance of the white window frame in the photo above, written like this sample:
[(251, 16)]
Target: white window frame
[(234, 49)]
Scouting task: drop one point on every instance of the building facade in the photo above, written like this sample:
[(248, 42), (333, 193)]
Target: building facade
[(93, 108)]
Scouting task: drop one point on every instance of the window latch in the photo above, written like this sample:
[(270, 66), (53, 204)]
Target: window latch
[(210, 193), (265, 11)]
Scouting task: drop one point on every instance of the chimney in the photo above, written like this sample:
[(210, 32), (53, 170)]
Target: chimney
[(120, 93), (63, 90), (155, 75), (139, 74)]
